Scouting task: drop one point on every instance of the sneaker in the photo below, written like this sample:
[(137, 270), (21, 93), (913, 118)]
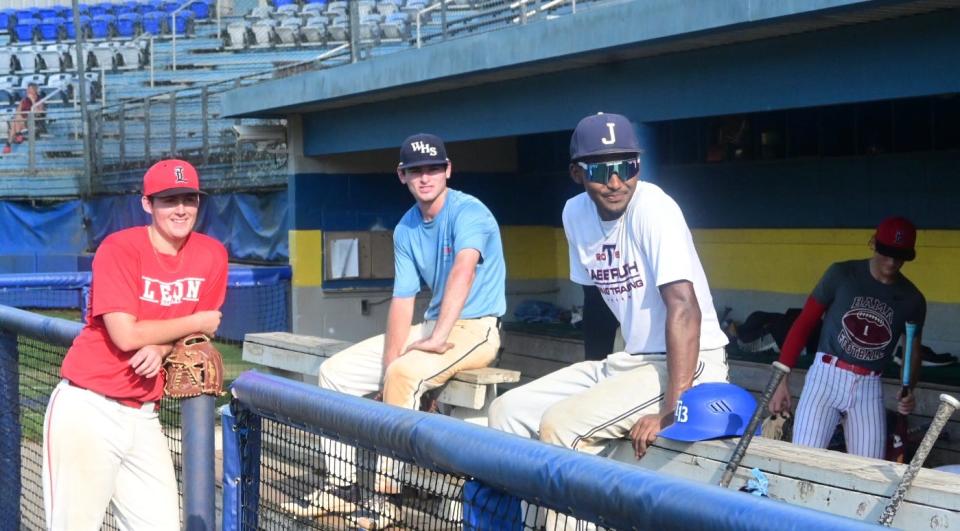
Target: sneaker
[(379, 511), (7, 149), (329, 500), (929, 359), (18, 139)]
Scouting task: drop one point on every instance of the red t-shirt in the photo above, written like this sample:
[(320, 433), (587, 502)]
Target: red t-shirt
[(130, 277)]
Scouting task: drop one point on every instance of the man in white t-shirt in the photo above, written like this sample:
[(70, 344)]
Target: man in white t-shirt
[(630, 240)]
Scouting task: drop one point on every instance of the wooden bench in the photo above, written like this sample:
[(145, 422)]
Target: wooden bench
[(466, 396), (294, 356), (824, 480), (469, 393)]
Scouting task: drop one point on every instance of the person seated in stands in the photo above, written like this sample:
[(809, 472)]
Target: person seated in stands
[(21, 118)]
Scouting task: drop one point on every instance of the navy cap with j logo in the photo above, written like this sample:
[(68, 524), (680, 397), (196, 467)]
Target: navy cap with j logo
[(603, 134)]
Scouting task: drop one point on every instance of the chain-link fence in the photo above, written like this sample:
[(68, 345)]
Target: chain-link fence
[(33, 370), (39, 374)]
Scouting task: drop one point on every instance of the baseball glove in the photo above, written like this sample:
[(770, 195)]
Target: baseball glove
[(194, 368), (778, 426)]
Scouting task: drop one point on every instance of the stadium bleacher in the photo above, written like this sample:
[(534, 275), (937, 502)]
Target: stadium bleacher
[(129, 57)]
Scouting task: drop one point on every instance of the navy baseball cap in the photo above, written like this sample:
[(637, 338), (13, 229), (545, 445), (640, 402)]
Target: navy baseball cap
[(603, 134), (422, 149)]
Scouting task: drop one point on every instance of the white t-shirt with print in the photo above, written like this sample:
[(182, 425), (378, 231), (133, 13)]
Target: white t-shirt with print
[(627, 258)]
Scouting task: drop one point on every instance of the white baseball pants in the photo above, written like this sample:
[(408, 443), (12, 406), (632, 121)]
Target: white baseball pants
[(97, 452), (584, 405)]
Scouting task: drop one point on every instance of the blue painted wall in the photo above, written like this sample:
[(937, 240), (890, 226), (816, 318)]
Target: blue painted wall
[(360, 202), (912, 56), (854, 192)]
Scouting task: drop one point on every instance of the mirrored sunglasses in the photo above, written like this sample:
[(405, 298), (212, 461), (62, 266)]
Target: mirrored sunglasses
[(602, 172)]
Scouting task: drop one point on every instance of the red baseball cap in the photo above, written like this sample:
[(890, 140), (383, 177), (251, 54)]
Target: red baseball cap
[(171, 177), (896, 238)]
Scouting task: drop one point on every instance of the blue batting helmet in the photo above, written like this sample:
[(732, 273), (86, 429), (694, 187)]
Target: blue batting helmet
[(710, 411)]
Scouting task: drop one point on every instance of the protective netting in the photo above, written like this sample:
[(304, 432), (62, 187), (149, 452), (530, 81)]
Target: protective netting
[(310, 481), (39, 374), (255, 302), (41, 296), (39, 370)]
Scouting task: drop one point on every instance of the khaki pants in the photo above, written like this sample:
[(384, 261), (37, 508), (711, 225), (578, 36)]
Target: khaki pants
[(358, 371)]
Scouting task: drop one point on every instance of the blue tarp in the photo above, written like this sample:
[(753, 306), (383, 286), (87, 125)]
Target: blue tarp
[(252, 226), (56, 228), (54, 237)]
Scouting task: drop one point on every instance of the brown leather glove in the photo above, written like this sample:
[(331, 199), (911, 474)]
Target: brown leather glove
[(193, 368)]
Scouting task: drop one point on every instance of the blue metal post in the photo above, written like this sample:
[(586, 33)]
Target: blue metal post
[(9, 431), (199, 507)]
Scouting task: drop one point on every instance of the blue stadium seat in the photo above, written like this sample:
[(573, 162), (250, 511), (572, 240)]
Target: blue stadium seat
[(83, 8), (321, 2), (202, 9), (62, 11), (52, 29), (132, 5), (8, 19), (278, 3), (47, 12), (29, 12), (184, 22), (84, 27), (103, 26), (170, 5), (104, 8), (128, 24), (156, 22), (27, 29)]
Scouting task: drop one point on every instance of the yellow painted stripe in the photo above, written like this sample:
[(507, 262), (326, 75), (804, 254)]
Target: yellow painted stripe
[(792, 260), (306, 257), (534, 252)]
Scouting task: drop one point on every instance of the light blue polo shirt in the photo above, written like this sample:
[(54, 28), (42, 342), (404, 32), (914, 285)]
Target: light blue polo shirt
[(426, 250)]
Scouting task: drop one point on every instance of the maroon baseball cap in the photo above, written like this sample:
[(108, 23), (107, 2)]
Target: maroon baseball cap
[(171, 177), (896, 238)]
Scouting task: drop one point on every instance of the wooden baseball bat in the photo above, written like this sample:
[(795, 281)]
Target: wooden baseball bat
[(779, 371), (898, 444), (948, 405)]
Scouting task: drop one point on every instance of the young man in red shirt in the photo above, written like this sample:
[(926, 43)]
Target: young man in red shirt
[(103, 444)]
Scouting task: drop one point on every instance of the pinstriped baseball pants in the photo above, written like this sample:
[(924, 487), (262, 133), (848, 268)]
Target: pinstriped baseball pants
[(829, 392)]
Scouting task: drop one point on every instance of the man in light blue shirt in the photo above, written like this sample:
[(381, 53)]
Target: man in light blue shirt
[(451, 242)]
